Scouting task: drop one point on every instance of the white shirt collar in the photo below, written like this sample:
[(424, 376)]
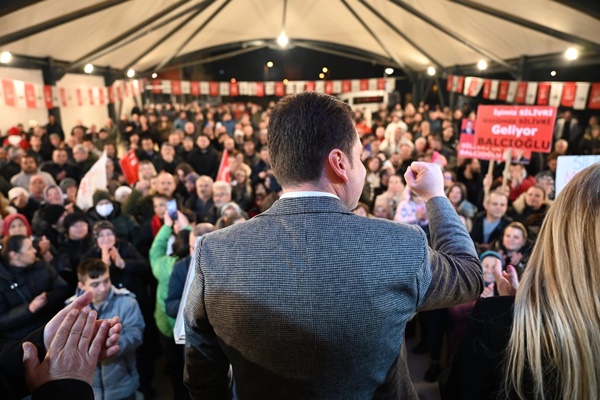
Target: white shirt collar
[(291, 195)]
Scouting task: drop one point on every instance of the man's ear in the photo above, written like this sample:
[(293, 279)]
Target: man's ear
[(338, 164)]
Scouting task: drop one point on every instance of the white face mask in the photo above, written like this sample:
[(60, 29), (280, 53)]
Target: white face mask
[(104, 210)]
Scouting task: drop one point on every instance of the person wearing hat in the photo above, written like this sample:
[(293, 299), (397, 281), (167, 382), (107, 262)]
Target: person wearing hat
[(23, 203), (69, 187), (106, 209), (74, 242)]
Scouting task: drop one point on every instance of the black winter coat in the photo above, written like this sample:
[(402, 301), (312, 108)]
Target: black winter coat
[(18, 287)]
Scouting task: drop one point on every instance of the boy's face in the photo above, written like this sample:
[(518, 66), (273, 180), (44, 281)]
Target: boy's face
[(100, 287)]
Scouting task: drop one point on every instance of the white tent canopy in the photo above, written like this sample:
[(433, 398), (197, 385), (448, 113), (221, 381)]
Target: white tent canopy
[(408, 34)]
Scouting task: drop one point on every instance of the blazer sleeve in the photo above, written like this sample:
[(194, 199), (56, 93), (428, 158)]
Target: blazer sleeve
[(452, 268), (206, 365)]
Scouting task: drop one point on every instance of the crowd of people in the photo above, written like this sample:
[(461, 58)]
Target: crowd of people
[(129, 246)]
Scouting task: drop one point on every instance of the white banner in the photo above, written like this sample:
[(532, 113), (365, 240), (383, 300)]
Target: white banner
[(269, 88), (95, 179), (531, 92), (512, 91), (556, 89), (494, 89), (581, 95), (204, 88)]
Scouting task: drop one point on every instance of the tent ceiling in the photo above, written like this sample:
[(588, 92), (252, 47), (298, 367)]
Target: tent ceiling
[(413, 34)]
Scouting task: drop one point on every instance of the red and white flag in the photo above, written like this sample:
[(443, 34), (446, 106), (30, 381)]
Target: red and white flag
[(224, 173)]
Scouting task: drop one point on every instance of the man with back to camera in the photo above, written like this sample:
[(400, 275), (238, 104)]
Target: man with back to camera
[(292, 300)]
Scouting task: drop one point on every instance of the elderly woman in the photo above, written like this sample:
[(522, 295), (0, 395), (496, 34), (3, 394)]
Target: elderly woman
[(31, 290)]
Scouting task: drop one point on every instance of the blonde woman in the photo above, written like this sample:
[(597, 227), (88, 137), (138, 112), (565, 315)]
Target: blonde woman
[(548, 347)]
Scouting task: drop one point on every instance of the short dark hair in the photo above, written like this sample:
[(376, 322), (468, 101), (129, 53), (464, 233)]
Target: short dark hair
[(92, 268), (12, 243), (303, 129)]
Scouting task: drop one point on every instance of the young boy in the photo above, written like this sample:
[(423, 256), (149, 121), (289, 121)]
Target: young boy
[(116, 377)]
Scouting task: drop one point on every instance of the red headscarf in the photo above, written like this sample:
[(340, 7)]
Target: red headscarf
[(9, 219)]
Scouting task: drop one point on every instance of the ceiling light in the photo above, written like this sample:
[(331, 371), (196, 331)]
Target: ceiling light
[(130, 73), (154, 75), (325, 69), (270, 64), (571, 54), (285, 81), (283, 40), (552, 73), (233, 80), (5, 57), (88, 69), (389, 71), (321, 75), (482, 65), (431, 71)]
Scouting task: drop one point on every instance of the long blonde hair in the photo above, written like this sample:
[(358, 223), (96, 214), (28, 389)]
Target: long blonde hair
[(555, 337)]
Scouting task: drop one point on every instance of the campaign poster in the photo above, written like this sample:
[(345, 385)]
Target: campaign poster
[(568, 166), (467, 148), (527, 128)]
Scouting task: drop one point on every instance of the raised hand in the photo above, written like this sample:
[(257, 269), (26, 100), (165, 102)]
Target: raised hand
[(425, 180), (73, 352)]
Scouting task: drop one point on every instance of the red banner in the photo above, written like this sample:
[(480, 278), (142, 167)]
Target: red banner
[(460, 84), (48, 97), (195, 88), (30, 100), (310, 86), (487, 87), (381, 84), (119, 93), (111, 95), (101, 96), (473, 86), (364, 84), (156, 86), (63, 97), (329, 87), (176, 87), (449, 83), (224, 173), (91, 96), (234, 89), (129, 166), (594, 101), (543, 94), (8, 86), (528, 128), (521, 93), (79, 97), (214, 89), (260, 89), (502, 90), (346, 86), (568, 94), (279, 89)]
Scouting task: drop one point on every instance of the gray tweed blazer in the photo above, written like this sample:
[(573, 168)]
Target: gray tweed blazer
[(309, 301)]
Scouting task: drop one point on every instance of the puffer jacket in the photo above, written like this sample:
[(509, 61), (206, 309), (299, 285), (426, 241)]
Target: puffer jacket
[(117, 376), (18, 287)]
